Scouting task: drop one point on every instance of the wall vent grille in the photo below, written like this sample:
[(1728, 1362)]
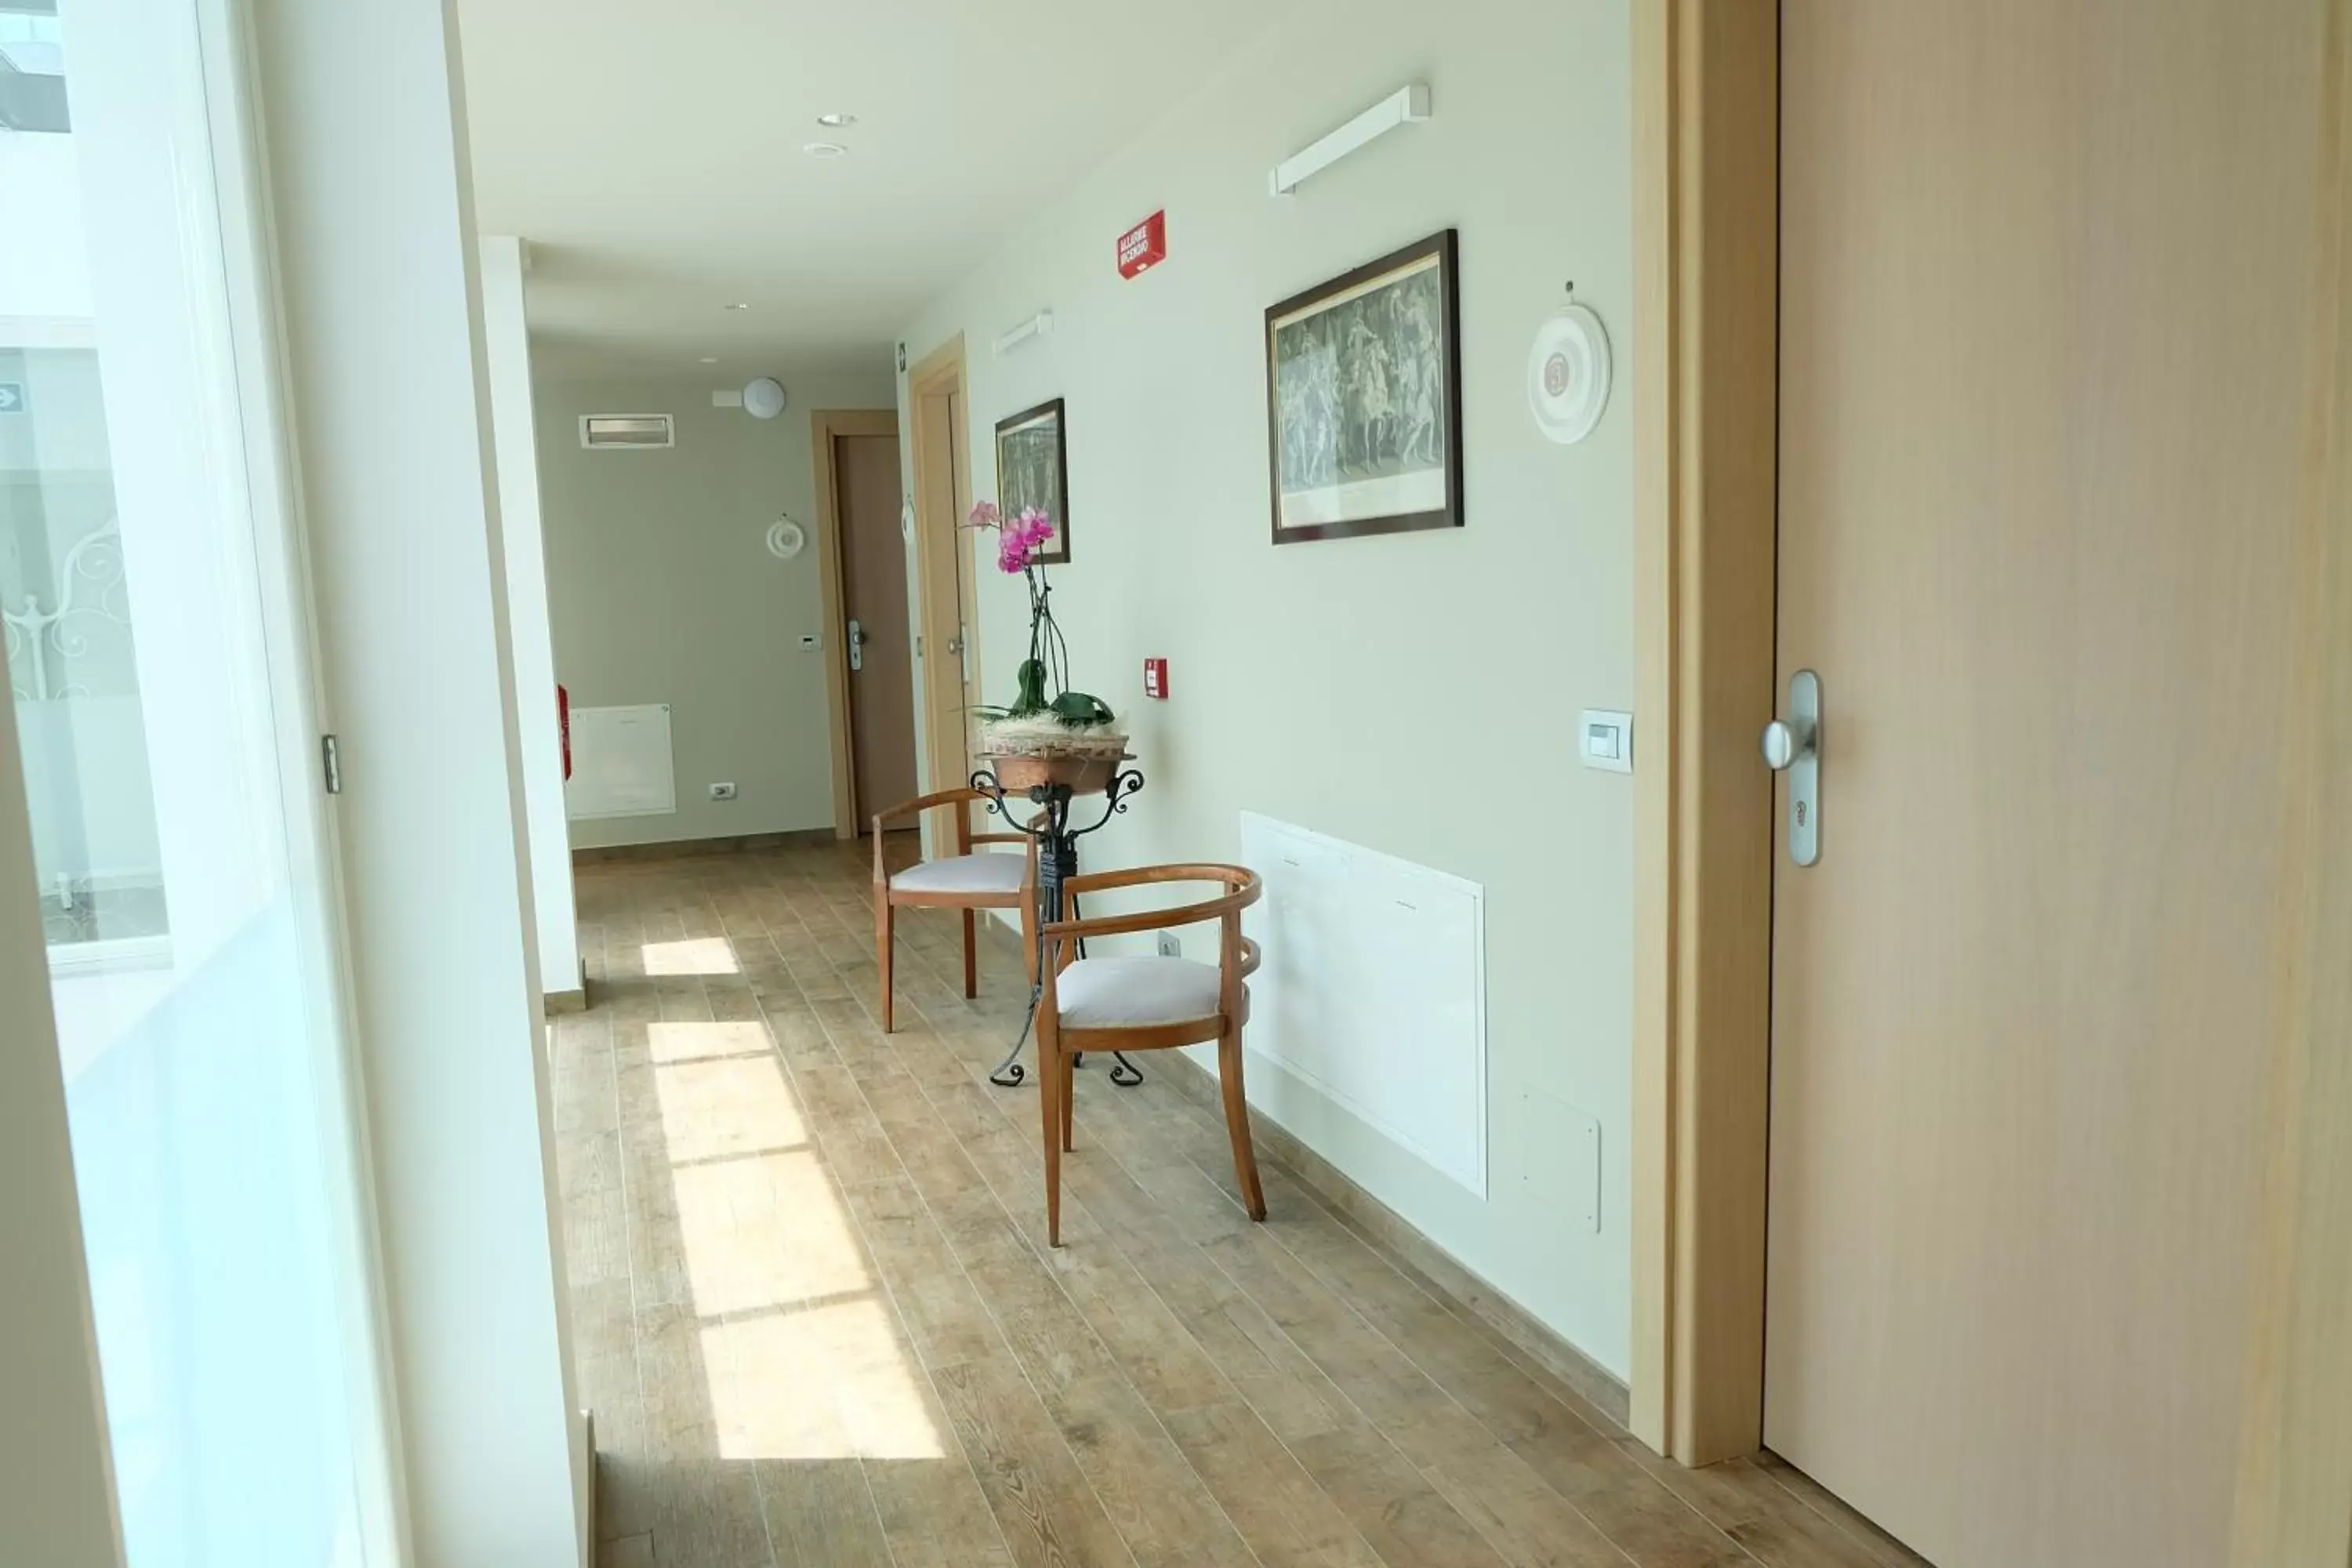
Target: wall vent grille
[(626, 430)]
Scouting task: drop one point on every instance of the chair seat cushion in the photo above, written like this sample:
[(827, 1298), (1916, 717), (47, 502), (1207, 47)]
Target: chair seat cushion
[(1131, 993), (982, 873)]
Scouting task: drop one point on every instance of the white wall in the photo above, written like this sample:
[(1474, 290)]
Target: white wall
[(507, 338), (662, 589), (1415, 693), (384, 347)]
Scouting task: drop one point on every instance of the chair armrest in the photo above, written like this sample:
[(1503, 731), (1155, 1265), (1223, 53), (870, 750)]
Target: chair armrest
[(1141, 876), (1231, 902), (923, 803)]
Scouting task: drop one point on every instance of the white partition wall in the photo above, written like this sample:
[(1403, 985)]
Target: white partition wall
[(379, 276), (507, 338)]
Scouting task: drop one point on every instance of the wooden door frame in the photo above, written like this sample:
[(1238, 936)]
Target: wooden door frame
[(1706, 246), (827, 425), (1705, 384), (944, 606)]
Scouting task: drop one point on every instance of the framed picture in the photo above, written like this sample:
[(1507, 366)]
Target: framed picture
[(1363, 399), (1032, 470)]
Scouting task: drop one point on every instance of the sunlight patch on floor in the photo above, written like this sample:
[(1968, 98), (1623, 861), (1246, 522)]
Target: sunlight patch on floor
[(695, 955), (764, 1232), (804, 1357), (686, 1042), (827, 1382), (734, 1105)]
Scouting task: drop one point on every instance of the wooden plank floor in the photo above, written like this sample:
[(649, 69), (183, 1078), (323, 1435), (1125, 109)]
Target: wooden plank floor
[(818, 1326)]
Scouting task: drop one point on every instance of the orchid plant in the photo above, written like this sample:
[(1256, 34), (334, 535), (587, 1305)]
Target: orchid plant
[(1021, 542)]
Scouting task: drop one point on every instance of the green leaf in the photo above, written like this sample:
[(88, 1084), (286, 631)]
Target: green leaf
[(1081, 707)]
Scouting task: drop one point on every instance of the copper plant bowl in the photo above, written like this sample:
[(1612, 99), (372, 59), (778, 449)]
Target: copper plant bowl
[(1084, 775)]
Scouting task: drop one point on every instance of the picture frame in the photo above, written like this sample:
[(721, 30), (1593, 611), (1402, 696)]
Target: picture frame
[(1033, 468), (1363, 398)]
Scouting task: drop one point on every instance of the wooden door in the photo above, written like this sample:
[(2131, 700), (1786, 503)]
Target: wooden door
[(944, 567), (874, 592), (2047, 285)]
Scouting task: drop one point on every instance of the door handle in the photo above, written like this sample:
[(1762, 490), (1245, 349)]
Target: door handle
[(1794, 745), (857, 645)]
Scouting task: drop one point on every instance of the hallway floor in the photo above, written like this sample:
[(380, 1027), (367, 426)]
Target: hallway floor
[(818, 1327)]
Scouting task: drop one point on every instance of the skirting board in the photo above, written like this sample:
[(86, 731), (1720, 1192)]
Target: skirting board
[(573, 1001), (1437, 1271), (743, 844)]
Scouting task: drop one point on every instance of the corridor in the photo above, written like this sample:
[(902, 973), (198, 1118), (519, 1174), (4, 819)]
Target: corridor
[(818, 1327)]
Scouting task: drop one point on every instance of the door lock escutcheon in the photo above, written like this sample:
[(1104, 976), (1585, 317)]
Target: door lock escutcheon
[(1793, 746)]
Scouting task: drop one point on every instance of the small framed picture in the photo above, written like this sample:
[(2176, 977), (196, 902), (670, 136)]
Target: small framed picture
[(1363, 394), (1032, 470)]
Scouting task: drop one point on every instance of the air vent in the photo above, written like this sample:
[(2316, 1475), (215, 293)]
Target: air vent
[(625, 430)]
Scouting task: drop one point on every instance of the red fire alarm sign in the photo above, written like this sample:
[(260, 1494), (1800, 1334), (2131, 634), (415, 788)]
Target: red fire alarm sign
[(1143, 246), (1155, 677)]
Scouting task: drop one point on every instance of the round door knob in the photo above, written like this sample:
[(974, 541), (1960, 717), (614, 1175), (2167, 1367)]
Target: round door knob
[(1785, 742)]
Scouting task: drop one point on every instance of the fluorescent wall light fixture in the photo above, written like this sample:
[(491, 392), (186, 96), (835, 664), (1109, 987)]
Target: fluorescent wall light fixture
[(1403, 107), (1036, 326)]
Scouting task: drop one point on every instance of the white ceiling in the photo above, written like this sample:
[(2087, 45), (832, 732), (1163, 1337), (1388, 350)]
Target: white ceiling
[(652, 152)]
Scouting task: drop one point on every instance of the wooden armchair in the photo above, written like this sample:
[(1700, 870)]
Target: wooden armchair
[(1147, 1003), (963, 880)]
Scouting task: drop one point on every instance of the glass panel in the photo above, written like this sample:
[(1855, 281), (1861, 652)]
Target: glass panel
[(141, 596)]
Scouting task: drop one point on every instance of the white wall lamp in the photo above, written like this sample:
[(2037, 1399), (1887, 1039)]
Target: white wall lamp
[(1037, 326), (1403, 107), (763, 397)]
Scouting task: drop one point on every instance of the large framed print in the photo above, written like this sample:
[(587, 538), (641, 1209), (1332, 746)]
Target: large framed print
[(1363, 383), (1033, 468)]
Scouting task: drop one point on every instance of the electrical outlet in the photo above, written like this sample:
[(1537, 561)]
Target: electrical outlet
[(1170, 945), (722, 792)]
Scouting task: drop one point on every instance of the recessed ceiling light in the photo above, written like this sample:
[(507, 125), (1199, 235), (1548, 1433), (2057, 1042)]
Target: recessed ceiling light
[(739, 307), (836, 120), (824, 149), (711, 359)]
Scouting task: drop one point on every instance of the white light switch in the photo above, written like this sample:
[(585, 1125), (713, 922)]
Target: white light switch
[(1606, 740)]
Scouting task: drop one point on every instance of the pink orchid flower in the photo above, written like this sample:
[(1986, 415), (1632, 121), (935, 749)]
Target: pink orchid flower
[(1021, 539)]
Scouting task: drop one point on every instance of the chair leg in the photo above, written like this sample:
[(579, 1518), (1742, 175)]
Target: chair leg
[(1069, 1096), (1050, 1082), (885, 931), (970, 956), (1229, 1078)]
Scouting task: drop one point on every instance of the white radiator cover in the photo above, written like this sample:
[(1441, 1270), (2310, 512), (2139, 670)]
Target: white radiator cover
[(621, 762), (1372, 991)]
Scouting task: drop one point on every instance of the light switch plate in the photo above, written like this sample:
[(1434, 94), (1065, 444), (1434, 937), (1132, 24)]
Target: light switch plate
[(1604, 739)]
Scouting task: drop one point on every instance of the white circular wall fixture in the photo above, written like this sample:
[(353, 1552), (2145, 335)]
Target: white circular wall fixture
[(1567, 373), (787, 539), (763, 398)]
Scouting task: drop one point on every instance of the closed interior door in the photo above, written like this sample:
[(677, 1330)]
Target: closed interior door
[(2047, 296), (881, 677)]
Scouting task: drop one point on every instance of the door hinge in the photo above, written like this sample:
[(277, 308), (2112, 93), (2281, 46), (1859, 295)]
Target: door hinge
[(330, 764)]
